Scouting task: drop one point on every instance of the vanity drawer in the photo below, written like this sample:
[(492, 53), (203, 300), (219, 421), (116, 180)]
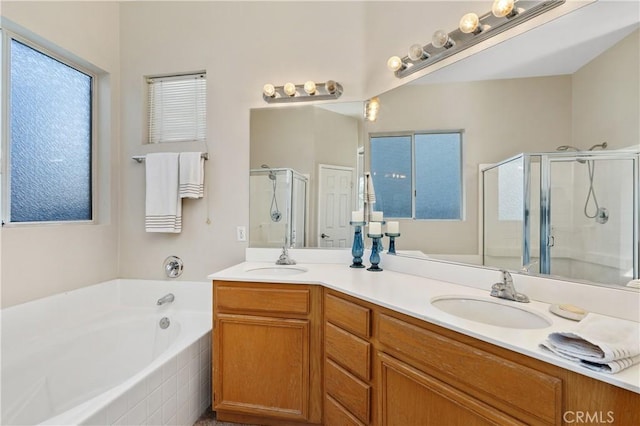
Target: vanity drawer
[(262, 298), (348, 390), (348, 350), (348, 315), (336, 414), (518, 386)]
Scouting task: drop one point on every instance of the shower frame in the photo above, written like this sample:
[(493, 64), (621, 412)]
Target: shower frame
[(291, 239), (546, 238)]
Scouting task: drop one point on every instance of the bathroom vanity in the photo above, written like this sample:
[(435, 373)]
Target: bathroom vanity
[(337, 346)]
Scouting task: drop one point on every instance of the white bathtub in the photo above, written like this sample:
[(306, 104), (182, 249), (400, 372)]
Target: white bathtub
[(98, 356)]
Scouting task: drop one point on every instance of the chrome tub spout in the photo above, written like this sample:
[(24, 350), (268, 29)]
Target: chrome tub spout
[(166, 299)]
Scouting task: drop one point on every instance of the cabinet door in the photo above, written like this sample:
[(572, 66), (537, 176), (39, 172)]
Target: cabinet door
[(262, 366), (408, 396)]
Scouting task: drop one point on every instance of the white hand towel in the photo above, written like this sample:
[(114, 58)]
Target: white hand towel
[(191, 175), (370, 196), (599, 343), (162, 204)]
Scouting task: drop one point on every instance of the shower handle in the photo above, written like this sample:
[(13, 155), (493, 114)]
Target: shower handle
[(324, 236), (551, 241)]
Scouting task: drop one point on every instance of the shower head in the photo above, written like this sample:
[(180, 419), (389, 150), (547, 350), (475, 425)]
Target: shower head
[(272, 175), (567, 148), (602, 145)]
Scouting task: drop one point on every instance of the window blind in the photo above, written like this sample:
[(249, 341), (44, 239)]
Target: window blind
[(177, 108)]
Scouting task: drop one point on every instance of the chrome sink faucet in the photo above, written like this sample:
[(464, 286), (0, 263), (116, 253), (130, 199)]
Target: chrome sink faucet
[(284, 258), (506, 290)]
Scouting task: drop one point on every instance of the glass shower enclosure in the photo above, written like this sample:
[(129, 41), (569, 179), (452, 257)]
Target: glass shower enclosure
[(277, 208), (570, 214)]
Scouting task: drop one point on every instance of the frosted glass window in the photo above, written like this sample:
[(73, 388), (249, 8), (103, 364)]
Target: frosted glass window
[(391, 172), (177, 108), (418, 175), (438, 176), (50, 138), (510, 190)]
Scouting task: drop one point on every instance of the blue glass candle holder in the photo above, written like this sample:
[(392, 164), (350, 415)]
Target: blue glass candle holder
[(357, 249), (375, 253), (392, 242)]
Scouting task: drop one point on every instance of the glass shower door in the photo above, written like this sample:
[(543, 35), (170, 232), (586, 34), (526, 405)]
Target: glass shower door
[(589, 227)]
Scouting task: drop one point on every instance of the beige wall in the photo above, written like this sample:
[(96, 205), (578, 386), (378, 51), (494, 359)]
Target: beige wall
[(605, 96), (242, 46), (38, 261), (500, 119)]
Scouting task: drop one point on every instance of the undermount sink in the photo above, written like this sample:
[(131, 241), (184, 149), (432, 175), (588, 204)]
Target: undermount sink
[(488, 311), (276, 270)]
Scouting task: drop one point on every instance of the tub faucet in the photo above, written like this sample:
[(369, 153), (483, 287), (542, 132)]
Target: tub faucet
[(506, 290), (166, 299), (284, 258)]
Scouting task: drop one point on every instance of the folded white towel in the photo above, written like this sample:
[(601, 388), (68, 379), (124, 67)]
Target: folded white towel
[(163, 208), (370, 196), (191, 175), (598, 342)]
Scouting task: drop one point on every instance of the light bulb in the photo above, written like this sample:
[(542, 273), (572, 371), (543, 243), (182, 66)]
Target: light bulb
[(269, 90), (417, 53), (310, 87), (331, 86), (469, 23), (290, 89), (372, 108), (502, 8), (441, 39), (395, 63)]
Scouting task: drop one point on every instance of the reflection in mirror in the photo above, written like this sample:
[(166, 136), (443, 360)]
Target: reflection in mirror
[(321, 144), (580, 90), (542, 211)]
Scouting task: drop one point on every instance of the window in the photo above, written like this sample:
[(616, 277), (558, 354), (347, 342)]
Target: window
[(418, 175), (177, 108), (50, 140)]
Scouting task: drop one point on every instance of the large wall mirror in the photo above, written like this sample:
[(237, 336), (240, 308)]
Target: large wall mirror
[(521, 106)]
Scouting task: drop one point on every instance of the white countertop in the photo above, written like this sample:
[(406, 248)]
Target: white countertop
[(412, 294)]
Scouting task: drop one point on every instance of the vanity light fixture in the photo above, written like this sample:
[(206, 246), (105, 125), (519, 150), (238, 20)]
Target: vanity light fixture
[(309, 91), (371, 109), (472, 29)]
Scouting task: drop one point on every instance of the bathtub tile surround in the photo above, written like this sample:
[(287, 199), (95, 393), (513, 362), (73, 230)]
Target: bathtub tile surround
[(158, 400)]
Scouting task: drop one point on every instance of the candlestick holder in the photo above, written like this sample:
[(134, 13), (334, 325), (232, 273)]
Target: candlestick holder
[(357, 249), (392, 242), (375, 253)]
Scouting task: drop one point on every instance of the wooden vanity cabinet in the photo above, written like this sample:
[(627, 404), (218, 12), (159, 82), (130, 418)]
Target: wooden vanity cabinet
[(267, 353), (417, 373)]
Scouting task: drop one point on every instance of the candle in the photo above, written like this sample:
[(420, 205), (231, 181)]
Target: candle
[(375, 228), (393, 227), (357, 216), (376, 216)]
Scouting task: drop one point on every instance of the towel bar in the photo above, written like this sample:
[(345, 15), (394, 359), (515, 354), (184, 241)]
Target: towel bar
[(141, 158)]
